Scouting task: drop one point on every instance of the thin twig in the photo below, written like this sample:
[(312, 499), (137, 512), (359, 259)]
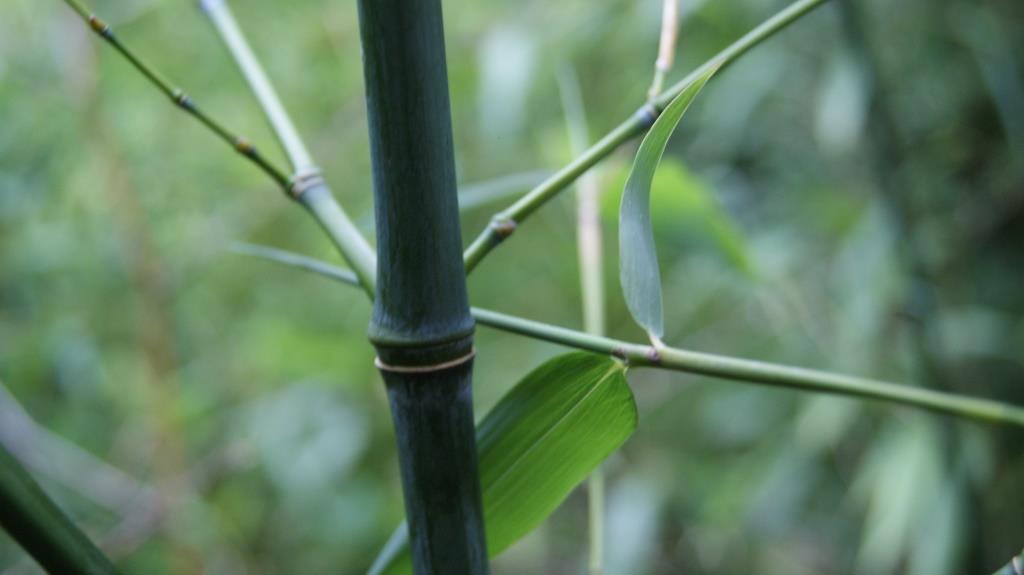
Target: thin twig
[(180, 98), (282, 125), (724, 367), (666, 47), (590, 250), (504, 223), (308, 187)]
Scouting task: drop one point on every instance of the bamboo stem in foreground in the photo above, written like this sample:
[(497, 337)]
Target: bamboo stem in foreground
[(180, 98), (421, 325), (41, 528), (736, 369)]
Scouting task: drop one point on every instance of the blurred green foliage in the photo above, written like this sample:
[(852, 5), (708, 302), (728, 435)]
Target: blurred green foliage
[(868, 163)]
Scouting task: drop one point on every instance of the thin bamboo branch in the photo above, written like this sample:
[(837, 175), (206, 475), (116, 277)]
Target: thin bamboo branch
[(589, 255), (305, 186), (504, 223), (282, 125), (666, 47), (180, 98), (308, 186), (477, 194), (724, 367)]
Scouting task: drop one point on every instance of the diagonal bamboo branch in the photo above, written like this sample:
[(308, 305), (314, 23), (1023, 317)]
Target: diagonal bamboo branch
[(41, 527), (282, 125), (724, 367), (504, 223), (308, 187), (180, 98)]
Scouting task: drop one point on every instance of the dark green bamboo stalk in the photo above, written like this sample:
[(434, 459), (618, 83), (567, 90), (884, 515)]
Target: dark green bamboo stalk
[(41, 528), (421, 324), (1014, 567)]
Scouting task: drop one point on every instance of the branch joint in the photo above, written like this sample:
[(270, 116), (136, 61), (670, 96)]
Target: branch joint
[(647, 115), (100, 27), (303, 181), (502, 227), (182, 100)]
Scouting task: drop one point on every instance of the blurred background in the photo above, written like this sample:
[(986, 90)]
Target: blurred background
[(850, 196)]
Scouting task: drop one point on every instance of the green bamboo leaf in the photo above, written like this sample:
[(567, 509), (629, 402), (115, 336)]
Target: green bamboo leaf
[(638, 258), (537, 444), (689, 218)]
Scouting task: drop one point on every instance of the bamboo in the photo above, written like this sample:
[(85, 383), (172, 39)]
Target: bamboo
[(504, 223), (591, 261), (41, 528), (281, 124), (666, 47), (180, 98), (725, 367), (1014, 567), (306, 185), (421, 325)]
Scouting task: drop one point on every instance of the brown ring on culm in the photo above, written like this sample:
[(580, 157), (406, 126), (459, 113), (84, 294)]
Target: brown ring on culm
[(425, 368)]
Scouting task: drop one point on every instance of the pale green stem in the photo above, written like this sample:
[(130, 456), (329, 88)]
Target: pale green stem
[(666, 47), (283, 127), (724, 367), (307, 186), (504, 223), (180, 98), (588, 240)]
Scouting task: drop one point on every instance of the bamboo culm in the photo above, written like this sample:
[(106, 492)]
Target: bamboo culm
[(41, 528), (421, 324), (1014, 567)]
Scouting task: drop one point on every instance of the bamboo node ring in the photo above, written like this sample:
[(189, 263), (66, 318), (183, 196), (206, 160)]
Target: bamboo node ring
[(425, 368)]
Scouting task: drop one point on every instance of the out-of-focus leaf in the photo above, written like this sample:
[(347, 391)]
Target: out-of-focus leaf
[(638, 259), (540, 441), (687, 215), (899, 487)]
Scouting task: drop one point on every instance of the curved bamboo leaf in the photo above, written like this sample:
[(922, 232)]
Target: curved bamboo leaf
[(540, 441), (689, 218), (638, 259)]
